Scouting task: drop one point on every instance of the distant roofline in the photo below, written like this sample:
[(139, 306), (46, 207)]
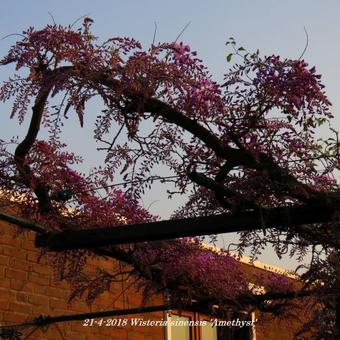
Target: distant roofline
[(258, 264)]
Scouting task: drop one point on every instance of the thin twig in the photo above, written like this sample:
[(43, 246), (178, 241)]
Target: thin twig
[(182, 31), (52, 17), (33, 331), (154, 33), (9, 35), (77, 20), (60, 332), (306, 45)]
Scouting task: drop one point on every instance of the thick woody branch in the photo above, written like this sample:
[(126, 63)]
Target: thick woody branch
[(222, 193), (37, 111), (236, 156), (24, 147), (26, 144)]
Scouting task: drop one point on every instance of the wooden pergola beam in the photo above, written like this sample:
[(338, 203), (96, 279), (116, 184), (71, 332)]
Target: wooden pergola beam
[(23, 223), (279, 218)]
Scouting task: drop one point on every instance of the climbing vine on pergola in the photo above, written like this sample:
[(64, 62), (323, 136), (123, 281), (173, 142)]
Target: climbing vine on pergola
[(244, 148)]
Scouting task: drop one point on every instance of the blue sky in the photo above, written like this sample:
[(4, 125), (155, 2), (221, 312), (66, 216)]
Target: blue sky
[(275, 27)]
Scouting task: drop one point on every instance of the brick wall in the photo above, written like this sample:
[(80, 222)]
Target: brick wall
[(28, 289)]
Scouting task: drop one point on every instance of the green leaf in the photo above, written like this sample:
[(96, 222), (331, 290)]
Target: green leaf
[(229, 56), (241, 48)]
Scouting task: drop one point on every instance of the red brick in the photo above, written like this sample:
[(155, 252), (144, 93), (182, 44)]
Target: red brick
[(5, 283), (22, 286), (20, 308), (43, 269), (61, 284), (32, 256), (78, 326), (7, 229), (4, 260), (58, 303), (104, 302), (13, 252), (28, 245), (4, 305), (30, 236), (36, 278), (41, 310), (10, 239), (38, 299), (79, 306), (7, 295), (40, 290), (59, 311), (14, 317), (15, 274), (94, 337), (57, 292), (20, 264), (22, 297), (113, 331), (76, 336)]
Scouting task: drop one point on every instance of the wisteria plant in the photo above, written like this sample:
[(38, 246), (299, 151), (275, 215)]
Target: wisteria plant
[(249, 143)]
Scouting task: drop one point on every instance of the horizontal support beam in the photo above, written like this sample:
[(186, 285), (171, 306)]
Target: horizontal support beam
[(280, 218), (23, 223), (46, 320), (131, 311)]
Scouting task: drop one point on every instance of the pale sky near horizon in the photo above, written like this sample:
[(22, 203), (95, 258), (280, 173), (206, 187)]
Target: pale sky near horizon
[(274, 27)]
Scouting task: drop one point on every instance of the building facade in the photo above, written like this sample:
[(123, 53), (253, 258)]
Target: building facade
[(28, 290)]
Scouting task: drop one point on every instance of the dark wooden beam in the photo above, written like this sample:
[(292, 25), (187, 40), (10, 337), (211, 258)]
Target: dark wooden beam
[(47, 320), (23, 223), (281, 218)]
